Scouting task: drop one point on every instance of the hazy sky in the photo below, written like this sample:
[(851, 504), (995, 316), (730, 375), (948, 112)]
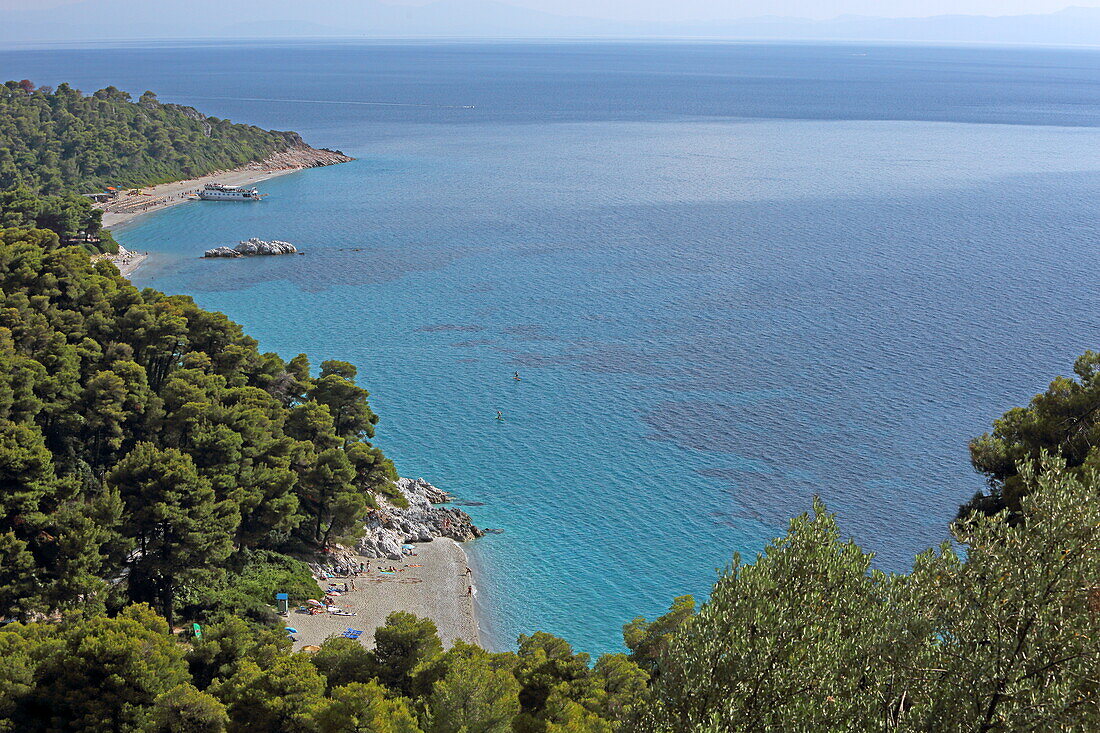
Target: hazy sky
[(721, 9)]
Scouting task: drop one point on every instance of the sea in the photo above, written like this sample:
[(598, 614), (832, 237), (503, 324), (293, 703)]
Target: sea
[(731, 277)]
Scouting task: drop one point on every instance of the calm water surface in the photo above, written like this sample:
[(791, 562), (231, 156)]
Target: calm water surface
[(731, 276)]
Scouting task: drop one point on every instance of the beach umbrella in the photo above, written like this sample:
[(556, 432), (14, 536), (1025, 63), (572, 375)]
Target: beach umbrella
[(408, 547), (317, 604), (291, 630), (311, 648)]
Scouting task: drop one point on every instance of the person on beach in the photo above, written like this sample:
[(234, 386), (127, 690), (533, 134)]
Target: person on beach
[(469, 572), (469, 590)]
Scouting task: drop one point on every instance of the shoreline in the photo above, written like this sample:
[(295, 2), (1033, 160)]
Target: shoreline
[(409, 558), (431, 584), (127, 261), (126, 207), (128, 266)]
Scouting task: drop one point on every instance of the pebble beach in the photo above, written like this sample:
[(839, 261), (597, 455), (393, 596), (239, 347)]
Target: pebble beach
[(432, 583)]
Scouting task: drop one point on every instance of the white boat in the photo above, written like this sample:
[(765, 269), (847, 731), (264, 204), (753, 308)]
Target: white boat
[(222, 192)]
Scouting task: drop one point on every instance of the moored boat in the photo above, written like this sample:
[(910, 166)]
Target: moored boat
[(222, 192)]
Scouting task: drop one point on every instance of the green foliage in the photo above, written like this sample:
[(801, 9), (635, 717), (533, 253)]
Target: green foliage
[(1018, 621), (344, 661), (143, 438), (363, 708), (184, 709), (104, 674), (809, 638), (800, 635), (280, 697), (346, 402), (560, 691), (1063, 421), (247, 589), (401, 646), (224, 646), (648, 641), (619, 691), (546, 667), (474, 696), (69, 215), (20, 655), (61, 140), (263, 573), (180, 528)]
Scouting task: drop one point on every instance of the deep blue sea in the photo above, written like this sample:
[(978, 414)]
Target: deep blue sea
[(732, 276)]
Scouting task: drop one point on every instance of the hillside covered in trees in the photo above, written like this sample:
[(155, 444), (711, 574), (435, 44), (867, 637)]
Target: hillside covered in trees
[(143, 436), (156, 467), (60, 140), (56, 144)]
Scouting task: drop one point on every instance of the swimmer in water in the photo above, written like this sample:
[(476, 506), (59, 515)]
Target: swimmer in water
[(516, 376), (500, 415)]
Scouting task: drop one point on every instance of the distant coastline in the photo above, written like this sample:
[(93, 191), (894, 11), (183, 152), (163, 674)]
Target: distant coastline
[(126, 207)]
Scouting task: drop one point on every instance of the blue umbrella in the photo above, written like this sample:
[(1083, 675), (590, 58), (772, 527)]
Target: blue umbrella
[(291, 630)]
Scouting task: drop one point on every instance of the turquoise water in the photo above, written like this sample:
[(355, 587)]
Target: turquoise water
[(731, 277)]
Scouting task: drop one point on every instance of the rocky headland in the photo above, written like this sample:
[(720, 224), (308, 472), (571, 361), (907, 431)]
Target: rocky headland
[(300, 155), (390, 526)]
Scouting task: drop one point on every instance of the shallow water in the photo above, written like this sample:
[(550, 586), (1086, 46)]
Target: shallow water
[(731, 277)]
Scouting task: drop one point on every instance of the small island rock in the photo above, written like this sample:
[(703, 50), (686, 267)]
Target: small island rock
[(253, 247)]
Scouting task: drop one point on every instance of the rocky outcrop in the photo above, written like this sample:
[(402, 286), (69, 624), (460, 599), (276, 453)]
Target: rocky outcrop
[(253, 247), (222, 252), (389, 527), (259, 247), (303, 156)]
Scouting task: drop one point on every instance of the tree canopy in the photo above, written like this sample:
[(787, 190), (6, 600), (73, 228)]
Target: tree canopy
[(1064, 420), (143, 437), (60, 140)]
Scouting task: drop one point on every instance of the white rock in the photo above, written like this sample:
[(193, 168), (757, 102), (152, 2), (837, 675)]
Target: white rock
[(253, 247), (389, 527)]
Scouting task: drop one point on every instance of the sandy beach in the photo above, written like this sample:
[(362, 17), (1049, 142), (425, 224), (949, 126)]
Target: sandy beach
[(127, 261), (433, 584), (127, 207)]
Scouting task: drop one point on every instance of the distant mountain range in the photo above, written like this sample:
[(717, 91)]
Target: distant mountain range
[(97, 20)]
